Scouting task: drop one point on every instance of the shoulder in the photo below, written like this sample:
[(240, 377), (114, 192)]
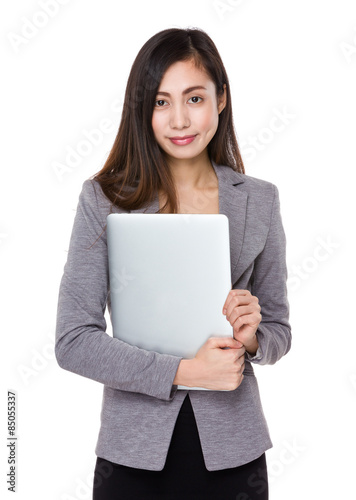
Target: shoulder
[(259, 197), (93, 202), (91, 190), (256, 183), (93, 194), (264, 193), (257, 189)]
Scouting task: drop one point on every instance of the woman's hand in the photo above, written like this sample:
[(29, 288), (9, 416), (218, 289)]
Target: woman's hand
[(214, 367), (244, 314)]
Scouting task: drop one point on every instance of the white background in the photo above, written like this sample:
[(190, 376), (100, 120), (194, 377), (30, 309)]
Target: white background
[(296, 58)]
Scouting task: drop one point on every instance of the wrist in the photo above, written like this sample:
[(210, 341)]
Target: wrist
[(185, 374), (252, 346)]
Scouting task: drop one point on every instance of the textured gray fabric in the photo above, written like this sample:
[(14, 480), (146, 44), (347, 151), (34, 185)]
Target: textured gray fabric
[(140, 405)]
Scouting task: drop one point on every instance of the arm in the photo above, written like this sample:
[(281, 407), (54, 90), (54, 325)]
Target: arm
[(269, 285), (82, 345)]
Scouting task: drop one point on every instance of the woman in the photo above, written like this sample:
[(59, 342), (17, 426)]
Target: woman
[(176, 152)]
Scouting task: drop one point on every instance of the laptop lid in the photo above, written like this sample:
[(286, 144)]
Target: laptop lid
[(169, 278)]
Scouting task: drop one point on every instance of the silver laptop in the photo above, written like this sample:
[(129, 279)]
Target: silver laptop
[(169, 275)]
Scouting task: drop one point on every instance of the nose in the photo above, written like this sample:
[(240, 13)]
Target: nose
[(179, 117)]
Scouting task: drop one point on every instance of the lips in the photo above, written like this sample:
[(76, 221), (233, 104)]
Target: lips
[(182, 140)]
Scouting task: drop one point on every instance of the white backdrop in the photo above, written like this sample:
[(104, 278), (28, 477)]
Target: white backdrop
[(65, 66)]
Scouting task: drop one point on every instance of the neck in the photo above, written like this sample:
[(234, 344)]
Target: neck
[(192, 174)]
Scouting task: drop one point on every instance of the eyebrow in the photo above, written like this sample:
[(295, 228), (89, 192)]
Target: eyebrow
[(186, 91)]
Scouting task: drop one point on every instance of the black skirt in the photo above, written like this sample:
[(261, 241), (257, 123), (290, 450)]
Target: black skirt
[(184, 475)]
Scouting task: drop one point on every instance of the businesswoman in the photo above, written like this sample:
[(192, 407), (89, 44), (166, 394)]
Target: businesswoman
[(176, 152)]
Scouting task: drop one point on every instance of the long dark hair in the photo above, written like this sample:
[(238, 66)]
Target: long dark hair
[(136, 168)]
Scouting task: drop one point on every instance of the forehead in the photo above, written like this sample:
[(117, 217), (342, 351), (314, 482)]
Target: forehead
[(184, 74)]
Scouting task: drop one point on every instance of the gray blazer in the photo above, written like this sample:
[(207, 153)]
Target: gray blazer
[(140, 403)]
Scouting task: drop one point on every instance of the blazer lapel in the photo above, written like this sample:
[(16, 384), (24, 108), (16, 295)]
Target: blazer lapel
[(232, 203)]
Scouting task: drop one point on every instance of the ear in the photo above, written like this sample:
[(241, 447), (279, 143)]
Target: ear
[(222, 100)]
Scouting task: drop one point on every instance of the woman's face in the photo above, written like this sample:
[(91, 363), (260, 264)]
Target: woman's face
[(181, 109)]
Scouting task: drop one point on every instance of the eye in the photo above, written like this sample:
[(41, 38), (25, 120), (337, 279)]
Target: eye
[(159, 101), (195, 97)]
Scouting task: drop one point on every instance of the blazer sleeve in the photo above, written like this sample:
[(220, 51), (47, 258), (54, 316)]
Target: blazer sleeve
[(82, 345), (269, 285)]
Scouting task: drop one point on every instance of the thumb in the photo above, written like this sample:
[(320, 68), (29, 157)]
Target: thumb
[(226, 342)]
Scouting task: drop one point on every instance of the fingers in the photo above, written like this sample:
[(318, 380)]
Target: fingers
[(242, 309), (240, 362), (240, 297), (222, 342), (236, 300), (243, 315), (225, 366), (253, 320)]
